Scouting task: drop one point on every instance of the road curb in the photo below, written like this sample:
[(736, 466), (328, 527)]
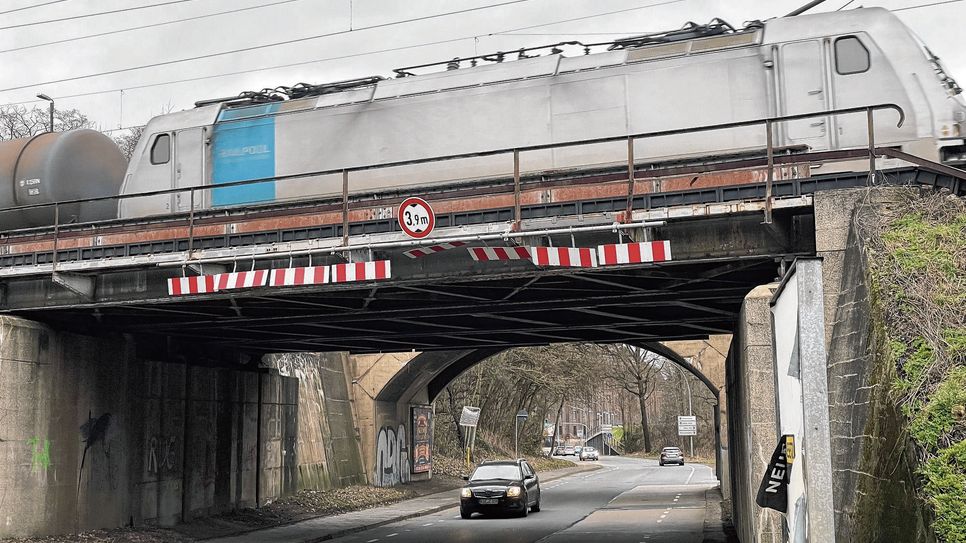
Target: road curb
[(715, 530)]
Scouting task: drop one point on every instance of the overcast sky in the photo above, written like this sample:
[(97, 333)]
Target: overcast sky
[(27, 70)]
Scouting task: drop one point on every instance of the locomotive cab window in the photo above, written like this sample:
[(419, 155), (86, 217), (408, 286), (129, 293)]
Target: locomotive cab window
[(161, 149), (851, 57)]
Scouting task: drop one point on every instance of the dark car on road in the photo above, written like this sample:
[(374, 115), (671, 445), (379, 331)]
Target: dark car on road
[(671, 455), (505, 486)]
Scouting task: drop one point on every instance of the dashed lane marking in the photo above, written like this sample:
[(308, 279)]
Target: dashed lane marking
[(428, 524), (394, 534), (373, 540)]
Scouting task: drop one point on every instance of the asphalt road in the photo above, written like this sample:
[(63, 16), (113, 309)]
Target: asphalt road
[(628, 500)]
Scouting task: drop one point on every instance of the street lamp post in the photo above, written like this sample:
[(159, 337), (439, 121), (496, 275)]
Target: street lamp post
[(521, 417), (51, 100)]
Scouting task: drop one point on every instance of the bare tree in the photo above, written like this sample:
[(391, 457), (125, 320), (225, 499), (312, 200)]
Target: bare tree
[(128, 141), (636, 371), (20, 122)]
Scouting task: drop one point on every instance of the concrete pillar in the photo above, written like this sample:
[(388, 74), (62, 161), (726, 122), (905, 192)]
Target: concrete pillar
[(751, 405)]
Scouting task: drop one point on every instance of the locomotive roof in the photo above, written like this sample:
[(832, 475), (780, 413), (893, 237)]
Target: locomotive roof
[(771, 31)]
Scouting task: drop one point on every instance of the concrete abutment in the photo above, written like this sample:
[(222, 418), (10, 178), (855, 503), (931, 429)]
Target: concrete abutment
[(94, 436)]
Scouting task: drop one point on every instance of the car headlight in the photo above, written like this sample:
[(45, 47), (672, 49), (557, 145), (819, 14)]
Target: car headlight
[(513, 491), (466, 493)]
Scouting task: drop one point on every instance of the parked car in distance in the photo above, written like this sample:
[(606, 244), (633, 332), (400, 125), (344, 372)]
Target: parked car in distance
[(503, 486), (588, 453), (569, 451), (671, 455)]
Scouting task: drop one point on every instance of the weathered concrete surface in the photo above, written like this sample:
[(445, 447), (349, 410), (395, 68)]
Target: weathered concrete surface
[(386, 447), (873, 484), (751, 406), (91, 436), (329, 453), (709, 356)]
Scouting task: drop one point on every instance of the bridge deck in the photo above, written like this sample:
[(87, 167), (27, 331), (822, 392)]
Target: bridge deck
[(113, 276)]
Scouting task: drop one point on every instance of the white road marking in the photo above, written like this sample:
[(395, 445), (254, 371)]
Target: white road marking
[(373, 540), (675, 499), (428, 524), (689, 477), (660, 520), (394, 534), (664, 515)]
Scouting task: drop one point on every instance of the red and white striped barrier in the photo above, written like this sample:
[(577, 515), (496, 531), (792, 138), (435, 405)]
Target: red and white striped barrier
[(634, 253), (485, 254), (576, 257), (206, 284), (359, 271), (433, 249), (310, 275)]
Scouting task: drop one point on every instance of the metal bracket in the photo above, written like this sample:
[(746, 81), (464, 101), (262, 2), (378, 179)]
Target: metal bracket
[(82, 285), (211, 269)]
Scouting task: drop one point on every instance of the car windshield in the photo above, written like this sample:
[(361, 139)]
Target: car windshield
[(672, 450), (508, 472), (589, 449)]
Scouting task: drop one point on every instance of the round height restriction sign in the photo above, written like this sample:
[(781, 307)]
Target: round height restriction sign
[(416, 218)]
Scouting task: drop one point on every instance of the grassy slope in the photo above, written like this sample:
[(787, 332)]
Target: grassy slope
[(919, 282)]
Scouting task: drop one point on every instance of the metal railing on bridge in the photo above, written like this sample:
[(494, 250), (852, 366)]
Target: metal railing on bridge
[(769, 123)]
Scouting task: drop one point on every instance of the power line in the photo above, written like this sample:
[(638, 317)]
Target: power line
[(590, 17), (86, 15), (340, 57), (927, 5), (142, 27), (845, 5), (32, 7), (256, 47)]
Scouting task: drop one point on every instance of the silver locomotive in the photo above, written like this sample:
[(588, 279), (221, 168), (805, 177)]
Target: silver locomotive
[(698, 76)]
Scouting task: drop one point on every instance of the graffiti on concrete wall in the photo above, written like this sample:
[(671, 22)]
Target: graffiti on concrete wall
[(94, 431), (161, 454), (39, 454), (392, 457)]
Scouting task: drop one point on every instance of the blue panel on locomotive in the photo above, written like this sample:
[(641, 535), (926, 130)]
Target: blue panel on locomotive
[(243, 148)]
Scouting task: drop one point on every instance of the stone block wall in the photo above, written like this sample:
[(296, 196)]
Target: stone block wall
[(378, 422), (751, 406), (873, 474)]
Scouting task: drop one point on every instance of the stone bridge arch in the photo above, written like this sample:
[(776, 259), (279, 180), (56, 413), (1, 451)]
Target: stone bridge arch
[(419, 382)]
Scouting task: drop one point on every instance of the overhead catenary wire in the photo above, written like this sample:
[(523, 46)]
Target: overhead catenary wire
[(339, 57), (143, 27), (262, 46), (24, 8), (927, 5), (88, 15)]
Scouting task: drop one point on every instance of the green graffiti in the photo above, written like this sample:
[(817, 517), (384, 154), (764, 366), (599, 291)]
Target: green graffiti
[(40, 454)]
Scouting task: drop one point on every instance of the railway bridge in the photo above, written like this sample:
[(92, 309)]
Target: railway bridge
[(134, 350)]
